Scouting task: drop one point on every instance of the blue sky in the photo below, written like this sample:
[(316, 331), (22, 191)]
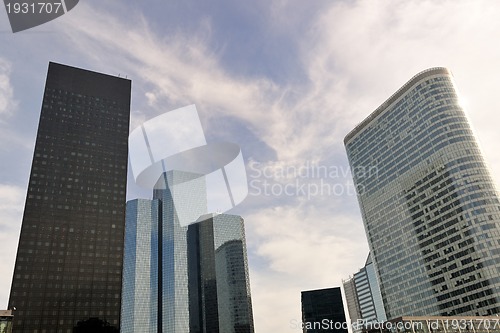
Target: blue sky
[(286, 80)]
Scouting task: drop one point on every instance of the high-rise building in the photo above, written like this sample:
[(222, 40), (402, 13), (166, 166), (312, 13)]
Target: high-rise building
[(69, 260), (363, 298), (368, 293), (429, 205), (352, 302), (179, 193), (323, 311), (184, 279), (219, 285), (141, 289)]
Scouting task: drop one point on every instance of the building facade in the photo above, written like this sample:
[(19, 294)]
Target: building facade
[(69, 260), (323, 311), (351, 298), (184, 279), (368, 293), (219, 284), (141, 270), (178, 193), (429, 205), (363, 297)]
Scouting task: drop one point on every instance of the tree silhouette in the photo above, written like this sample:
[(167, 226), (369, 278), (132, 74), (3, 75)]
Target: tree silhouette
[(94, 325)]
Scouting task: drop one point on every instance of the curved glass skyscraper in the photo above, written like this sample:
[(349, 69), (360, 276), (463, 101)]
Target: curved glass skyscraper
[(429, 205)]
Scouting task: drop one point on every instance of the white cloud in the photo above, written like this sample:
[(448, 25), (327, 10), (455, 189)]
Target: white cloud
[(7, 102), (372, 48), (11, 205), (304, 230), (152, 98), (306, 247), (183, 70)]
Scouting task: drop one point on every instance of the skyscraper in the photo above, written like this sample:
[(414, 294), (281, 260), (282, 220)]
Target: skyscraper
[(429, 205), (352, 301), (219, 285), (188, 190), (69, 260), (323, 311), (184, 279), (368, 292), (364, 301), (141, 288)]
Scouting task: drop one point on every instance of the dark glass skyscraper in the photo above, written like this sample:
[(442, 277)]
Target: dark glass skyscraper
[(323, 311), (69, 260)]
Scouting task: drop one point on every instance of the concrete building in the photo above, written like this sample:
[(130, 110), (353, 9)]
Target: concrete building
[(352, 300)]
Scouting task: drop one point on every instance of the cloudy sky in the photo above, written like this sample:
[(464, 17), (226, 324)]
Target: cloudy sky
[(286, 80)]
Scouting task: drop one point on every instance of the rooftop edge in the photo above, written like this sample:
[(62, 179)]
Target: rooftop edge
[(394, 97)]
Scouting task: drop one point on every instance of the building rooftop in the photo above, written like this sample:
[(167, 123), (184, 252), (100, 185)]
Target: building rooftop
[(394, 97)]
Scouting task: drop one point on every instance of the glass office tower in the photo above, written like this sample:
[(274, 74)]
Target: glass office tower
[(323, 311), (179, 193), (184, 279), (219, 284), (368, 292), (363, 298), (69, 260), (141, 268), (430, 208)]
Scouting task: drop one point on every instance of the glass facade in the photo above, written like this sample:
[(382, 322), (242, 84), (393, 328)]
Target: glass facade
[(184, 279), (378, 304), (430, 208), (219, 284), (323, 311), (184, 192), (368, 292), (364, 301), (140, 292), (69, 260)]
